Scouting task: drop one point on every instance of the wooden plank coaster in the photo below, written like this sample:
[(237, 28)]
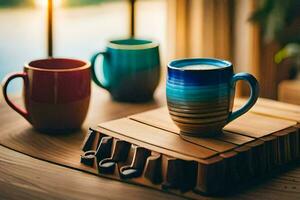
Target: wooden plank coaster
[(247, 127), (288, 141), (159, 118), (147, 149)]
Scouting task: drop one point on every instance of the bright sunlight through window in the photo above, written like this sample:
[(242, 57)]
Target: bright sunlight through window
[(44, 3)]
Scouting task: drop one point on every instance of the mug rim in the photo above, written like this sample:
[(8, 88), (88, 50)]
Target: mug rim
[(86, 65), (225, 63), (149, 44)]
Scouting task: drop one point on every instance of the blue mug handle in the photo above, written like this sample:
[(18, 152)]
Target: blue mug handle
[(254, 88), (93, 69)]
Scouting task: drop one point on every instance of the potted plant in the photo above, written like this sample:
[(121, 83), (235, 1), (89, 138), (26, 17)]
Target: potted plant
[(280, 22)]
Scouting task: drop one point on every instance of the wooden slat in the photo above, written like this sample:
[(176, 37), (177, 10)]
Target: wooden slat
[(210, 143), (235, 138), (273, 108), (146, 145), (277, 104), (250, 124), (221, 143), (159, 118), (156, 137), (255, 125)]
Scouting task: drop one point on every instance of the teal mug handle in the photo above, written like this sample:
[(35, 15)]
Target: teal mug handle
[(93, 69), (254, 88)]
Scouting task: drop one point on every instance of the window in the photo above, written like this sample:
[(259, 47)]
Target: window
[(81, 28)]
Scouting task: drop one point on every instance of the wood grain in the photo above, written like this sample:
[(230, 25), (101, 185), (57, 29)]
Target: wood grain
[(271, 142), (23, 177), (273, 108), (256, 125), (163, 121), (264, 125), (64, 149), (156, 137)]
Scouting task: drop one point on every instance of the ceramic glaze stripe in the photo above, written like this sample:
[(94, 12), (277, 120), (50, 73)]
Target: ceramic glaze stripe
[(206, 105), (196, 90), (218, 96), (196, 110), (198, 121), (191, 125), (199, 112), (201, 118), (199, 100), (199, 78), (192, 88), (200, 115)]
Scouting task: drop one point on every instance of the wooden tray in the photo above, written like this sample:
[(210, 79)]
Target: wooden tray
[(146, 149)]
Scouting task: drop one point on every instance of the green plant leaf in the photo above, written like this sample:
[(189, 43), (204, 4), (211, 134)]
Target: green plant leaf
[(289, 50)]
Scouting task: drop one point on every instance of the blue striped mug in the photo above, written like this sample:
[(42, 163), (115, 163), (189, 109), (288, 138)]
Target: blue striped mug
[(200, 95)]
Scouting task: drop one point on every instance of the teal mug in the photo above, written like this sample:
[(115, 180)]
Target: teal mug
[(130, 69)]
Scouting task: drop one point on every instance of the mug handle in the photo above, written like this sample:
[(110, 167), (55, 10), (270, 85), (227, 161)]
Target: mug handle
[(6, 81), (254, 88), (94, 76)]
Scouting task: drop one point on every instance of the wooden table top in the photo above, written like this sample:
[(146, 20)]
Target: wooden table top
[(25, 177)]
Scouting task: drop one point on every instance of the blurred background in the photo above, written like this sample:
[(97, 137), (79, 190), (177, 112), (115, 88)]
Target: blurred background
[(258, 36)]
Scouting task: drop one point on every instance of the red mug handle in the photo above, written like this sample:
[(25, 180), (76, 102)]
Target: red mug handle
[(6, 81)]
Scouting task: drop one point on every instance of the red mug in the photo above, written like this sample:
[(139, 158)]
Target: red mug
[(56, 93)]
